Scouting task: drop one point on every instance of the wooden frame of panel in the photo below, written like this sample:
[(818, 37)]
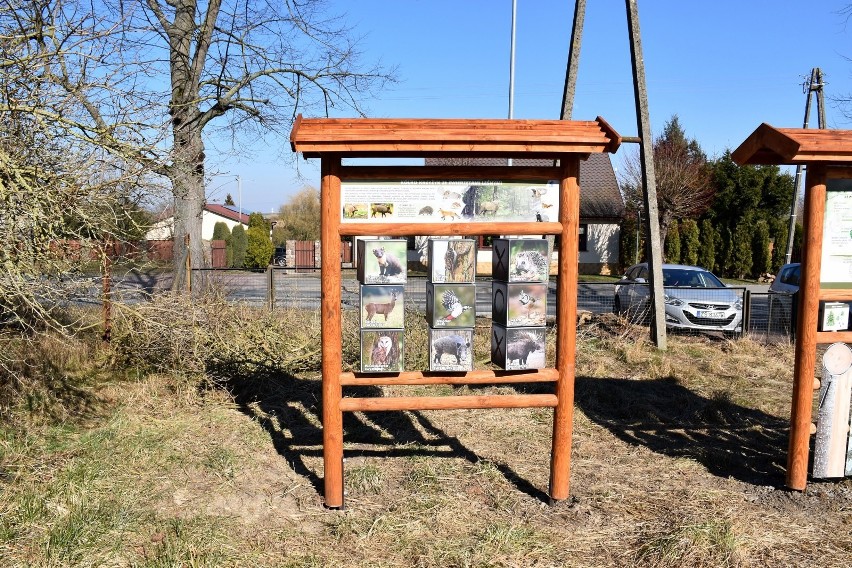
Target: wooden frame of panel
[(827, 155), (564, 141)]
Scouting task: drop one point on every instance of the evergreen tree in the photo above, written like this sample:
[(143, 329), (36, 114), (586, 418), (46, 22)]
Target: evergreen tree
[(761, 257), (672, 251), (707, 248), (229, 200), (690, 242), (239, 244), (221, 232), (740, 255)]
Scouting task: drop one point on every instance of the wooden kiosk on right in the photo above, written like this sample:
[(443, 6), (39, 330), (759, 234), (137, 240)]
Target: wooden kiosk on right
[(826, 271)]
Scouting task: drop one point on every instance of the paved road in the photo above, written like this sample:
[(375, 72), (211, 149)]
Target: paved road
[(302, 289)]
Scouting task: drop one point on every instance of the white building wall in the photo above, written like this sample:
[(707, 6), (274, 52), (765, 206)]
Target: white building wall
[(602, 244), (163, 230)]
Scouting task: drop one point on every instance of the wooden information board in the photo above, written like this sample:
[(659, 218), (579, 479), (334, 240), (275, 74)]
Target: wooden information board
[(566, 143), (828, 157)]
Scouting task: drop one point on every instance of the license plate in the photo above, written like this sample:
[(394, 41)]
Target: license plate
[(712, 315)]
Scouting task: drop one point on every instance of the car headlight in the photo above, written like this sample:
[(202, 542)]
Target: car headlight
[(738, 305), (672, 301)]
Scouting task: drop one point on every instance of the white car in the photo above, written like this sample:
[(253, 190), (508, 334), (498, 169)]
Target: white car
[(694, 298)]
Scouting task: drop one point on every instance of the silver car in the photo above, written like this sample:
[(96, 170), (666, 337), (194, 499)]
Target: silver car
[(694, 298)]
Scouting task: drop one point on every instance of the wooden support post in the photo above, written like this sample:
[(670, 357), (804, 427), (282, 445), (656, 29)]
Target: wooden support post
[(806, 330), (566, 325), (332, 364)]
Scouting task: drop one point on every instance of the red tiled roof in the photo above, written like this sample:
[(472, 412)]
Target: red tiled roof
[(226, 212)]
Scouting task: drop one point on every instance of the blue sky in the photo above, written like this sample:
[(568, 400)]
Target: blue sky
[(723, 67)]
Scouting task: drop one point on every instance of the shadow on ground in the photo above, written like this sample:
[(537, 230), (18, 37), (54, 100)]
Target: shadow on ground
[(289, 409), (728, 439)]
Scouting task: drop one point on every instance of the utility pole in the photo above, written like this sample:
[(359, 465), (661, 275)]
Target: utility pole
[(646, 152), (646, 159), (814, 85), (573, 60)]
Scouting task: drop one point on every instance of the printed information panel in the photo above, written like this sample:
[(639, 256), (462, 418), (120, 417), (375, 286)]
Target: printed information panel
[(433, 201), (836, 269)]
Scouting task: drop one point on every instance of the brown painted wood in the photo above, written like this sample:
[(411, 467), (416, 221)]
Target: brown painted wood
[(314, 137), (566, 318), (770, 145), (836, 295), (390, 229), (447, 402), (806, 330), (840, 172), (472, 173), (477, 376), (834, 336), (332, 419)]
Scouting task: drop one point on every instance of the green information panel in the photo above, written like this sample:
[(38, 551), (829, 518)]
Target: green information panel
[(836, 269)]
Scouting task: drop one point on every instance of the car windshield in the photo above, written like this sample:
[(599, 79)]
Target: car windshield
[(688, 277)]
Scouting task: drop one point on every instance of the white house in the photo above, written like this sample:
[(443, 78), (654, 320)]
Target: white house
[(211, 214)]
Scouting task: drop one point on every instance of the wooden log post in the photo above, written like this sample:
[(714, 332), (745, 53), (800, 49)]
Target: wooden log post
[(332, 363), (566, 326), (806, 330)]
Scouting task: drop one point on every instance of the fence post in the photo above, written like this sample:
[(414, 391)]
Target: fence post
[(746, 325), (188, 264), (107, 293), (270, 288)]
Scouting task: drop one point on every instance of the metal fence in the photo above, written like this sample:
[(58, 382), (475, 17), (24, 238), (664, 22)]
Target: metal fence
[(732, 311)]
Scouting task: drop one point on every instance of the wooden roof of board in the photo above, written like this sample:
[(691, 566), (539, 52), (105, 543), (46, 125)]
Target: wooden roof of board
[(382, 137), (770, 145)]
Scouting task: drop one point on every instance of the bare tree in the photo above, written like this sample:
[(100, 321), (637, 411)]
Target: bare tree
[(684, 188), (152, 80)]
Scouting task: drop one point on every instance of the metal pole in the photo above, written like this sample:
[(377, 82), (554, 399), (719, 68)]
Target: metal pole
[(512, 67), (240, 193), (646, 157)]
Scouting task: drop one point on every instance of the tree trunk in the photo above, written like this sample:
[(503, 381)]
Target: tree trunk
[(188, 188)]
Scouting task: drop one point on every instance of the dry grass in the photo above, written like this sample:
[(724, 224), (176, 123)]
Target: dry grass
[(677, 461)]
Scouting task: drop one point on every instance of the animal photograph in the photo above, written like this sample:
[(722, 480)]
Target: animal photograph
[(381, 209), (451, 305), (452, 260), (520, 260), (354, 211), (382, 351), (450, 349), (382, 261), (382, 306), (517, 348), (519, 305)]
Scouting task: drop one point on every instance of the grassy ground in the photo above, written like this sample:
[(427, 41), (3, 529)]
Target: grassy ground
[(677, 460)]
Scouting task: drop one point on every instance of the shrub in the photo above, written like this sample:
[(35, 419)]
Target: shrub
[(761, 257), (259, 250), (175, 333)]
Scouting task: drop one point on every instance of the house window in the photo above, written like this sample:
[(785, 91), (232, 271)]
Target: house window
[(583, 237)]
